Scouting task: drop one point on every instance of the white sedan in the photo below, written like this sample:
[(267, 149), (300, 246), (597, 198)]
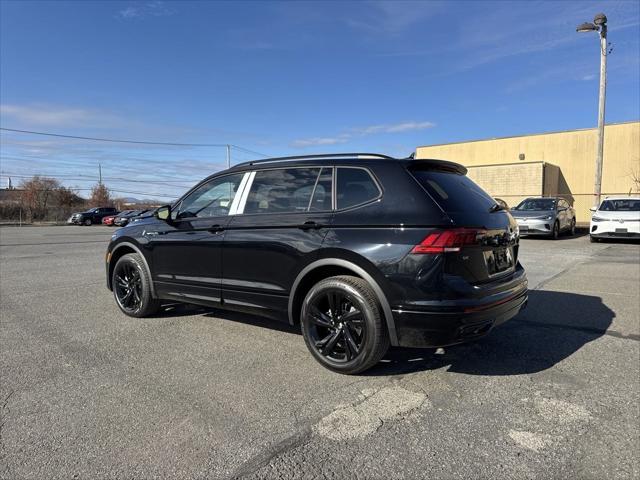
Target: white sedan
[(616, 217)]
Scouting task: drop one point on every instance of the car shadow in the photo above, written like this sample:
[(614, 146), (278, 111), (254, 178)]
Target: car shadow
[(580, 232), (552, 328)]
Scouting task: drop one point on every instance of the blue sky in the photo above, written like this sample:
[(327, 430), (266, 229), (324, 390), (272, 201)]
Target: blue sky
[(293, 78)]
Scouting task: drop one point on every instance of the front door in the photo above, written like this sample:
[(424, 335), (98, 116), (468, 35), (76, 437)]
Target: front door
[(186, 252), (280, 227)]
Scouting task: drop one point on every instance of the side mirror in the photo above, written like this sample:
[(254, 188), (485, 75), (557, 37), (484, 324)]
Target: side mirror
[(163, 213), (593, 209)]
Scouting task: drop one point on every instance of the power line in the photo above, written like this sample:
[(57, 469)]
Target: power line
[(138, 142)]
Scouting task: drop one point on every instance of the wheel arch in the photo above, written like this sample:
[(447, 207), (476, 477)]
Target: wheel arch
[(122, 249), (330, 267)]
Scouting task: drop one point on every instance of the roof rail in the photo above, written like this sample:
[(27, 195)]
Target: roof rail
[(314, 157)]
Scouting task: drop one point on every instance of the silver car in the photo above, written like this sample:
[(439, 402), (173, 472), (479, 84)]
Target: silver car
[(547, 216)]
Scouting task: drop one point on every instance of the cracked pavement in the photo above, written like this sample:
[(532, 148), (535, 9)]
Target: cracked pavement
[(87, 392)]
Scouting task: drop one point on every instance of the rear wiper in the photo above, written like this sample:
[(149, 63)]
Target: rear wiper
[(496, 207)]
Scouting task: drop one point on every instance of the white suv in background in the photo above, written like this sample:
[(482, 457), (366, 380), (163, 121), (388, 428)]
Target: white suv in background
[(616, 217)]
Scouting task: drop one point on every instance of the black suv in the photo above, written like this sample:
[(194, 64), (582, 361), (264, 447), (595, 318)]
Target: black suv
[(93, 215), (361, 250)]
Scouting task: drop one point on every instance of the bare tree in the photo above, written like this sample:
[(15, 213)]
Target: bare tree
[(100, 196), (37, 193)]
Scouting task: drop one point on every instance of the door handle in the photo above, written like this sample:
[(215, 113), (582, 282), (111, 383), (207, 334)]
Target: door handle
[(309, 224), (215, 229)]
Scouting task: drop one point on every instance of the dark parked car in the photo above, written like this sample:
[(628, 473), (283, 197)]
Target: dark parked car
[(91, 216), (547, 216), (361, 250), (122, 220)]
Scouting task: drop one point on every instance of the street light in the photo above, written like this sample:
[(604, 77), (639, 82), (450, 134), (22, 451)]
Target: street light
[(599, 25)]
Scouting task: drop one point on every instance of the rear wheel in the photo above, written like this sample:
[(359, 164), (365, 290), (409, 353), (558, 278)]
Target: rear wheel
[(132, 287), (555, 233), (342, 325)]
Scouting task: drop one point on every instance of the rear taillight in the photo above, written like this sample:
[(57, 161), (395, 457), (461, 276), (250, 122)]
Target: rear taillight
[(442, 241)]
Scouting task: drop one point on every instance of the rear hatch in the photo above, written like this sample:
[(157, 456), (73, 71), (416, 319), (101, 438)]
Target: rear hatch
[(482, 243)]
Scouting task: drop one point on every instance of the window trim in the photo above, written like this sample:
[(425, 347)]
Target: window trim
[(351, 207)]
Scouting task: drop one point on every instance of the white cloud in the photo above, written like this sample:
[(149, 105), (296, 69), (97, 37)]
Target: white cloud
[(361, 132), (148, 9), (52, 116), (586, 78)]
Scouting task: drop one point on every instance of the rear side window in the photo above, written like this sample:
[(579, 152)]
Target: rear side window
[(454, 192), (355, 186), (286, 190)]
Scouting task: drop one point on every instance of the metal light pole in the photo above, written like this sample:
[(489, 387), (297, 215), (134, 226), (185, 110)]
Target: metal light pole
[(228, 156), (599, 25)]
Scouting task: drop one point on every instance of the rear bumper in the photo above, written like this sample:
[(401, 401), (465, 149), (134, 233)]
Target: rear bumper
[(441, 327)]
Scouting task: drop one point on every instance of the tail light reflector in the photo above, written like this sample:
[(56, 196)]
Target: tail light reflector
[(442, 241)]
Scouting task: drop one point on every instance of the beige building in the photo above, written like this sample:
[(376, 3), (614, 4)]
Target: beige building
[(558, 163)]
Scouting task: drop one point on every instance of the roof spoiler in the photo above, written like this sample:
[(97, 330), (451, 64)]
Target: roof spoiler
[(434, 164)]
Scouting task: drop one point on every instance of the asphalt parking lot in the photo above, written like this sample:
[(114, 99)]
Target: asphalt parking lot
[(86, 392)]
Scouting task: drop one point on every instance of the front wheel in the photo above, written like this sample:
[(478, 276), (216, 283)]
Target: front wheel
[(555, 233), (132, 287), (87, 222), (572, 230), (342, 325)]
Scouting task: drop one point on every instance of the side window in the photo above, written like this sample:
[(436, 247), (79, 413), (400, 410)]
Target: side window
[(284, 190), (321, 201), (212, 199), (354, 186)]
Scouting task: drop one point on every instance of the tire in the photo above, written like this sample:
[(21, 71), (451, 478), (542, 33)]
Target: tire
[(132, 287), (87, 222), (572, 230), (556, 230), (343, 326), (593, 239)]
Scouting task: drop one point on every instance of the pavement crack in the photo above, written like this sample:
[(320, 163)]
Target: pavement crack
[(264, 458)]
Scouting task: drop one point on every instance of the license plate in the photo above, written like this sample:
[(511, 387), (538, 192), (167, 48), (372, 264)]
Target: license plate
[(524, 228), (621, 230), (499, 260)]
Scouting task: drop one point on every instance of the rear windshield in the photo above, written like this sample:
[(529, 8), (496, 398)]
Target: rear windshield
[(631, 205), (454, 192)]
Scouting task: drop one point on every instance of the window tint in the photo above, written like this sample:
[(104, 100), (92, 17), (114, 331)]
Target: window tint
[(630, 205), (211, 199), (454, 192), (354, 186), (537, 204), (321, 201), (281, 191)]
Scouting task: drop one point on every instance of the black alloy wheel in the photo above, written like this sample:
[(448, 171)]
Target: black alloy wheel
[(572, 231), (556, 231), (342, 325), (132, 287), (87, 222)]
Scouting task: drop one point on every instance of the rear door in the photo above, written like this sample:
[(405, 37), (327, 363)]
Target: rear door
[(488, 233), (281, 223)]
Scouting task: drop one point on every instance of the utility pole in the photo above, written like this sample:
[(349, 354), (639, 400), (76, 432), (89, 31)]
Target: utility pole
[(228, 156), (100, 174), (599, 25)]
